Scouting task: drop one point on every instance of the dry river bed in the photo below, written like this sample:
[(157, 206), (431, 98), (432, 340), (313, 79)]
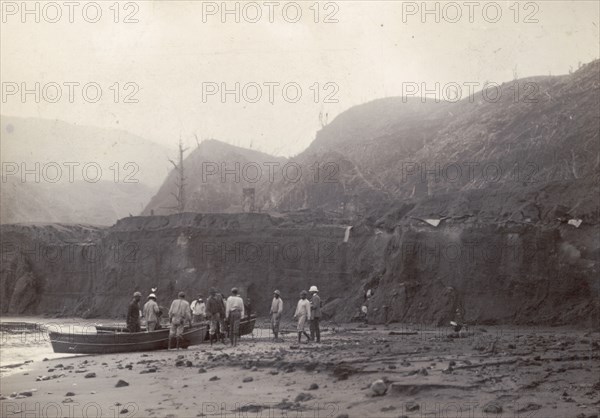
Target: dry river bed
[(356, 371)]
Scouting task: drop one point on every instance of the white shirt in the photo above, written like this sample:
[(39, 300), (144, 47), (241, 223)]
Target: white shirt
[(198, 308), (276, 305), (234, 303), (303, 308), (180, 311)]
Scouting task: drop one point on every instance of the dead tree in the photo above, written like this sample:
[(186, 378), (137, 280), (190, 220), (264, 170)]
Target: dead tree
[(180, 181), (323, 119)]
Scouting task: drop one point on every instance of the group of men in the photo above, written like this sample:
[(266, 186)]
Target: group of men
[(217, 310), (306, 310), (151, 312), (223, 314)]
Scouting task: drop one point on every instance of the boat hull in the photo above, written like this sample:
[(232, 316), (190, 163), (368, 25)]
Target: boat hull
[(125, 342)]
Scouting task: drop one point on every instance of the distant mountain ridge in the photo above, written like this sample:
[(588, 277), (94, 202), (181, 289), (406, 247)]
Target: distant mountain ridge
[(539, 136), (101, 203), (32, 140), (53, 171)]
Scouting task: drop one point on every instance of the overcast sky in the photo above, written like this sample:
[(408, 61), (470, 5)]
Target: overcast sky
[(175, 51)]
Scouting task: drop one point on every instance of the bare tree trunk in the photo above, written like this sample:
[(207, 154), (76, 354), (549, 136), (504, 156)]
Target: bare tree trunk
[(180, 182)]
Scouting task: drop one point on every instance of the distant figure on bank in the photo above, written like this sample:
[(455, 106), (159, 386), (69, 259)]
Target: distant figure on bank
[(247, 306), (133, 313), (458, 322), (151, 312), (234, 311), (303, 314), (179, 314), (315, 314), (198, 310), (276, 310), (363, 313), (215, 312)]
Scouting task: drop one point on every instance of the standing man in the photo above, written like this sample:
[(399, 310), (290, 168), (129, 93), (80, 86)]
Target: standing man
[(198, 310), (179, 314), (303, 314), (315, 314), (151, 312), (234, 311), (133, 313), (248, 306), (215, 311), (276, 310)]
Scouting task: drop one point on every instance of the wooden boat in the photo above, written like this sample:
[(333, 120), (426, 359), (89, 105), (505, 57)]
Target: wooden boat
[(123, 342), (20, 327), (114, 328), (121, 328)]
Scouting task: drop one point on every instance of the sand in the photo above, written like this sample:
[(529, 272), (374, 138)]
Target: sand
[(491, 371)]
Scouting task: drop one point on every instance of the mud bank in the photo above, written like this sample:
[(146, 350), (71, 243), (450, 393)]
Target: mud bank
[(494, 272)]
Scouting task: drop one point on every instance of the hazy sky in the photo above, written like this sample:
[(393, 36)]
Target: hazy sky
[(176, 50)]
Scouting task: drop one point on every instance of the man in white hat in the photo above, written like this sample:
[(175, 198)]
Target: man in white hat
[(315, 314), (276, 310), (198, 310), (151, 312), (133, 313)]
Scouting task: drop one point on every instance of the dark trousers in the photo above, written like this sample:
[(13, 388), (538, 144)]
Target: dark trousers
[(315, 331), (234, 323), (133, 326), (234, 326)]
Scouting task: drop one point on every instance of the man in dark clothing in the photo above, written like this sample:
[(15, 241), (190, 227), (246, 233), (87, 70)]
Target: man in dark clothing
[(247, 307), (215, 312), (315, 314), (133, 313)]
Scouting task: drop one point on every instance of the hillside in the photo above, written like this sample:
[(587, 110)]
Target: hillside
[(539, 134), (520, 246), (216, 174), (542, 130)]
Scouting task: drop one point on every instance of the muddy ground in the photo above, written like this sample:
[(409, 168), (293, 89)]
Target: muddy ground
[(425, 372)]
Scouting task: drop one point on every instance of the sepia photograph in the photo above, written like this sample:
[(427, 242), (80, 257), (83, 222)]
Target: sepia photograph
[(300, 209)]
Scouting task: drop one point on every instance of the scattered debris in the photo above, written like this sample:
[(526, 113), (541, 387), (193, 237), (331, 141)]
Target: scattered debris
[(121, 383), (411, 406), (492, 408), (302, 397), (378, 387)]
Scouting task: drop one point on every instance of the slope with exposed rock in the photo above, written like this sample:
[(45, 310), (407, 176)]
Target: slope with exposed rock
[(520, 247)]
